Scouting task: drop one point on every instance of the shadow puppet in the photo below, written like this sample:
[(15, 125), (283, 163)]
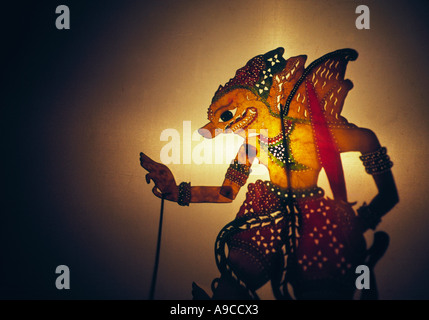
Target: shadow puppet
[(287, 231)]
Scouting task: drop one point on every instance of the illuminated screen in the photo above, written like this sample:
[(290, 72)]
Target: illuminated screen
[(81, 103)]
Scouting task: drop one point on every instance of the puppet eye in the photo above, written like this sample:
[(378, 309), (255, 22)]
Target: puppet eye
[(227, 115)]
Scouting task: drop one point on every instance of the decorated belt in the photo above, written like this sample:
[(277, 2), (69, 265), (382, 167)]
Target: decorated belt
[(315, 192)]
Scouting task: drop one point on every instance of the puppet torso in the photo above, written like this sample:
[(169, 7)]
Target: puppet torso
[(301, 156)]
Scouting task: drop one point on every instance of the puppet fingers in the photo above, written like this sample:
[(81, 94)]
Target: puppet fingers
[(156, 192), (146, 162), (150, 176)]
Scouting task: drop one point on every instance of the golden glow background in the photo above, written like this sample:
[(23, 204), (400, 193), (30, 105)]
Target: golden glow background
[(81, 104)]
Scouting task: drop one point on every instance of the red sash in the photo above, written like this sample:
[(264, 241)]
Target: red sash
[(329, 155)]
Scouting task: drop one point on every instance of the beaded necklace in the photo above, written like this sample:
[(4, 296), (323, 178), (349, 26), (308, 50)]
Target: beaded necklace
[(275, 149)]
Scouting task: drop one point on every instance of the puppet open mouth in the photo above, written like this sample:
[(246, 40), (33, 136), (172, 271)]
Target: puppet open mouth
[(242, 121)]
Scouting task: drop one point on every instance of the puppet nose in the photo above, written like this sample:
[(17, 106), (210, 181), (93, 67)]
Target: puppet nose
[(208, 131)]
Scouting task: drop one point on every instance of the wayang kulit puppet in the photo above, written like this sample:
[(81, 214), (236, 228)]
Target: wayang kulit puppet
[(287, 231)]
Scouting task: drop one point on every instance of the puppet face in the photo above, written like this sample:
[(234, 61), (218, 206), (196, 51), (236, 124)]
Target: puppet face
[(238, 111), (240, 108)]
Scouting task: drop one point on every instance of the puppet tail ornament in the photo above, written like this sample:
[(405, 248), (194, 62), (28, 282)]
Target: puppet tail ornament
[(232, 228), (227, 275)]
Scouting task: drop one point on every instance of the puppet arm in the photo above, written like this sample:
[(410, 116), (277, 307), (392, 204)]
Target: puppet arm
[(184, 193), (377, 163)]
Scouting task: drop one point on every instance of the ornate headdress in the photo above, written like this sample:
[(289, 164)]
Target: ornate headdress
[(256, 75)]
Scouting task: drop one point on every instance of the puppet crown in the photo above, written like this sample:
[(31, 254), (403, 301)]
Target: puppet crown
[(256, 75)]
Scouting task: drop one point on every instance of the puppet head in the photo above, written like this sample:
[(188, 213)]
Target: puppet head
[(252, 100)]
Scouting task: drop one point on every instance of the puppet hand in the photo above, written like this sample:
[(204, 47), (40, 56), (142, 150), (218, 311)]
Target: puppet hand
[(367, 218), (165, 185)]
